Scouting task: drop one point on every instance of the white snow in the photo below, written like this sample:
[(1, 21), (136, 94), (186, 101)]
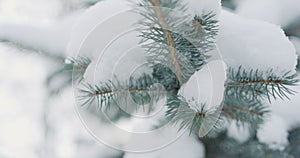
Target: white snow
[(239, 133), (274, 132), (23, 94), (185, 146), (255, 44), (260, 45), (113, 51), (67, 34), (42, 26), (284, 117), (280, 12), (35, 26), (251, 43), (296, 42), (49, 38), (203, 6), (20, 130), (23, 99), (123, 58), (42, 12), (206, 86), (288, 110), (70, 138), (90, 20)]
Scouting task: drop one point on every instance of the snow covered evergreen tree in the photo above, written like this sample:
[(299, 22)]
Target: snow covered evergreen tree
[(217, 78), (177, 49)]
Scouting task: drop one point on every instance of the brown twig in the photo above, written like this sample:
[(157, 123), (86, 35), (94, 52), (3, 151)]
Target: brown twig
[(267, 82), (169, 38), (130, 91)]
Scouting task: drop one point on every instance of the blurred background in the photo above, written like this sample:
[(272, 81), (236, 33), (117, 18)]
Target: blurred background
[(37, 114)]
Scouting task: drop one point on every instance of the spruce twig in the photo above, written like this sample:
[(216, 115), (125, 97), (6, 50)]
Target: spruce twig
[(255, 84), (191, 117), (169, 38), (142, 91), (178, 42)]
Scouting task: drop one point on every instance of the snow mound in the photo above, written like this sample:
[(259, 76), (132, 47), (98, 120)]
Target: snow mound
[(90, 19), (280, 12), (206, 85), (255, 44)]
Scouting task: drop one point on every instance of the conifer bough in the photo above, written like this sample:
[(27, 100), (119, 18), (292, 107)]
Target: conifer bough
[(176, 48)]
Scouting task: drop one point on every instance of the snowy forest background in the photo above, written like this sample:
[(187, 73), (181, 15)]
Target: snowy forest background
[(37, 114)]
